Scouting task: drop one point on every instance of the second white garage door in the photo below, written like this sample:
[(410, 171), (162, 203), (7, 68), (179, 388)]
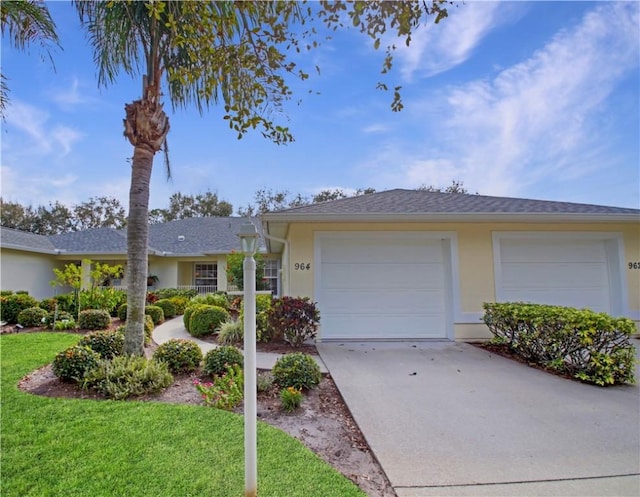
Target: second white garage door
[(383, 285)]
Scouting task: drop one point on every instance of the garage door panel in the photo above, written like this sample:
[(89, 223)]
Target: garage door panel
[(363, 250), (380, 302), (348, 326), (576, 275), (556, 271), (382, 286), (559, 251), (385, 275)]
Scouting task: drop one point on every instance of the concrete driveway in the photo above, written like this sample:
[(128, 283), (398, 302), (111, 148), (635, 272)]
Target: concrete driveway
[(448, 418)]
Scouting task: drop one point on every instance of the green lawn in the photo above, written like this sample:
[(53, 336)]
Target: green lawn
[(69, 447)]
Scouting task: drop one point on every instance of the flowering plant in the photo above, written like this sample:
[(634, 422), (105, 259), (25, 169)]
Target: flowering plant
[(290, 398), (226, 391)]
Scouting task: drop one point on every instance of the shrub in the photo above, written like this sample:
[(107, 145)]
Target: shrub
[(94, 319), (72, 364), (264, 332), (226, 391), (12, 305), (264, 380), (180, 304), (128, 376), (218, 299), (296, 370), (48, 304), (107, 344), (181, 356), (32, 316), (65, 324), (62, 316), (168, 308), (296, 318), (590, 346), (6, 293), (290, 398), (148, 329), (167, 293), (68, 302), (217, 360), (188, 312), (206, 320), (231, 332), (122, 312), (156, 313)]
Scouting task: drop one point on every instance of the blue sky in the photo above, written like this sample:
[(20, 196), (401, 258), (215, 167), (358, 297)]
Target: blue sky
[(524, 99)]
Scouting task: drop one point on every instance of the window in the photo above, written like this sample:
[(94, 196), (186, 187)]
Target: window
[(271, 275), (206, 275)]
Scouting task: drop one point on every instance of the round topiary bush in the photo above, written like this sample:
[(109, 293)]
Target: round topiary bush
[(94, 319), (11, 305), (296, 370), (206, 320), (181, 356), (168, 307), (188, 312), (180, 303), (32, 316), (73, 364), (217, 360), (156, 313), (108, 344), (122, 312)]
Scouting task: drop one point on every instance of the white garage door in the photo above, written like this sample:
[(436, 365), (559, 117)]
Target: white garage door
[(382, 286), (568, 272)]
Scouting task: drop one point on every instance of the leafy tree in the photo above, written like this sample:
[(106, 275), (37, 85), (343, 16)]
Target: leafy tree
[(270, 200), (99, 212), (455, 187), (16, 216), (185, 206), (235, 53), (27, 22)]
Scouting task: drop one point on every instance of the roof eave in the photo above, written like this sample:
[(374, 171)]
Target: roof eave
[(30, 249), (455, 217)]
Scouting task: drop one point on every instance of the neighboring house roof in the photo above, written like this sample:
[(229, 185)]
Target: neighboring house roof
[(21, 240), (193, 236), (200, 235), (93, 241)]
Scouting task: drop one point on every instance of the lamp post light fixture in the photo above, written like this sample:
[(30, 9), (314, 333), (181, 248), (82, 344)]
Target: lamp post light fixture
[(249, 240)]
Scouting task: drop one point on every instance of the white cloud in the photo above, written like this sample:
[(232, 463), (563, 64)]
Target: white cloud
[(438, 48), (539, 120), (375, 128)]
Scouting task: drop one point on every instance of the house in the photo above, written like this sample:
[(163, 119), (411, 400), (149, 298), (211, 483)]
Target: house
[(408, 264), (187, 253), (394, 265)]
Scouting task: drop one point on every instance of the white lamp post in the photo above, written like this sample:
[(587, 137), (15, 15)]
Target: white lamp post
[(249, 239)]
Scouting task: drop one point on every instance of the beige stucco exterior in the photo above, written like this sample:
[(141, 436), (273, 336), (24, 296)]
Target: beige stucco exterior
[(28, 271), (473, 258)]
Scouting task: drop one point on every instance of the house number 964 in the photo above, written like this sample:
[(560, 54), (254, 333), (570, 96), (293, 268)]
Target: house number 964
[(634, 265), (302, 266)]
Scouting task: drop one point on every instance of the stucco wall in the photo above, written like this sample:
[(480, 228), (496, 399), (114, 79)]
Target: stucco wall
[(474, 262), (28, 271)]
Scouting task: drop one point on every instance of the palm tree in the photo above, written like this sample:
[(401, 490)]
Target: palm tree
[(159, 40), (205, 52), (27, 22)]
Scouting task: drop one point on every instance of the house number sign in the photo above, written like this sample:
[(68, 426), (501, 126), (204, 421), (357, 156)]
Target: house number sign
[(634, 265), (302, 266)]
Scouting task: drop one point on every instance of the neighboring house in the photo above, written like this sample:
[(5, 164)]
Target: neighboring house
[(407, 264), (188, 253), (400, 264)]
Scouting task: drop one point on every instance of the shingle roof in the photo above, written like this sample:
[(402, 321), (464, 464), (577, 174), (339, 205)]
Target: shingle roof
[(98, 240), (208, 235), (204, 235), (423, 202), (26, 241)]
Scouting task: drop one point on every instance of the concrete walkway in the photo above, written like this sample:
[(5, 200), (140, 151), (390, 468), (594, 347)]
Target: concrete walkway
[(451, 419), (174, 328)]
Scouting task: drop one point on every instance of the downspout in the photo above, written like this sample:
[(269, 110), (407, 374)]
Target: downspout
[(285, 263)]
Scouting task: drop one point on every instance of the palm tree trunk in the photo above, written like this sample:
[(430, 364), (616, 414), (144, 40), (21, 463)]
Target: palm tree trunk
[(146, 127)]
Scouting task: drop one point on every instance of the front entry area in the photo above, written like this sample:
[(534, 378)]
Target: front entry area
[(383, 285)]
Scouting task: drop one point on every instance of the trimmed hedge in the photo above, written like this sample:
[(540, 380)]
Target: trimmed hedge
[(590, 346), (217, 360), (156, 313), (181, 356), (188, 312), (108, 344), (12, 305), (168, 307), (32, 317), (297, 370), (94, 319)]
